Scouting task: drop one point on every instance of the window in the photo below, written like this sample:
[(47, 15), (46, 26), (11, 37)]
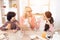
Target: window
[(38, 6)]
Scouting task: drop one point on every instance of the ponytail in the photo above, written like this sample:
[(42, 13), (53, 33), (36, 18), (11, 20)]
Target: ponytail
[(51, 20)]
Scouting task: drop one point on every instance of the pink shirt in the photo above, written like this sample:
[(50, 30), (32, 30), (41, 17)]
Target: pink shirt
[(51, 27), (32, 22)]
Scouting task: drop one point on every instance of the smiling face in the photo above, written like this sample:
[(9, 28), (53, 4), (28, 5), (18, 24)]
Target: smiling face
[(13, 19), (28, 11)]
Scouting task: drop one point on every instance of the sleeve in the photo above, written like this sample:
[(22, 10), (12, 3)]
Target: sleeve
[(17, 28), (33, 22), (4, 27), (17, 25)]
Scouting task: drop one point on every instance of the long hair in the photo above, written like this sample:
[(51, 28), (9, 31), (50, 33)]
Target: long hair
[(51, 20), (46, 27)]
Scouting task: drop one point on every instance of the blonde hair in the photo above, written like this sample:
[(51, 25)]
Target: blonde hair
[(28, 8)]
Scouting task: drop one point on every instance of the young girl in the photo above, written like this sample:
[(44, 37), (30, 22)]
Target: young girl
[(49, 20), (12, 23)]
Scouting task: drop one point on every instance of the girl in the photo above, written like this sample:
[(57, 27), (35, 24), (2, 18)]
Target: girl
[(12, 23), (49, 20)]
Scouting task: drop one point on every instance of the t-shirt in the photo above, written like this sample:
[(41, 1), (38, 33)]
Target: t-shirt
[(13, 25)]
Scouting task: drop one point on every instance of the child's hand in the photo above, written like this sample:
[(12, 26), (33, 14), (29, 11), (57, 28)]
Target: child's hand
[(14, 31)]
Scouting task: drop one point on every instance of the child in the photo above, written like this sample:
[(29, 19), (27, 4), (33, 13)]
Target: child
[(12, 23), (49, 20)]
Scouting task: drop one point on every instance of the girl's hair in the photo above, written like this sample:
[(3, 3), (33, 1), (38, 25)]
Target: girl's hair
[(28, 8), (10, 15), (46, 27), (49, 15), (51, 20)]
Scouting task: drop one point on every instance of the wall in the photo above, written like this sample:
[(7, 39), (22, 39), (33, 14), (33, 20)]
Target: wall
[(0, 15), (55, 9), (22, 4), (38, 6)]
